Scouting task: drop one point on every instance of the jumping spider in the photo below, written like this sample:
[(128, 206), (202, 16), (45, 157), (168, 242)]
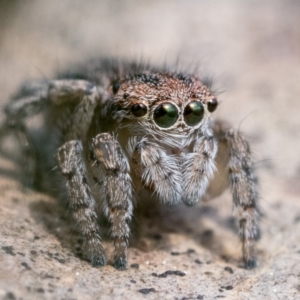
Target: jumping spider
[(129, 127)]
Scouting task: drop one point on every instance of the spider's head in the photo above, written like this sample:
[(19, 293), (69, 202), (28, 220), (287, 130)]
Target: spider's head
[(165, 105)]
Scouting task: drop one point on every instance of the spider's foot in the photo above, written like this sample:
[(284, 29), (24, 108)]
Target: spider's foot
[(120, 263), (98, 260), (250, 263)]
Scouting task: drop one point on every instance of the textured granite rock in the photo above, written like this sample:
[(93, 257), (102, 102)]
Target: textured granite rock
[(253, 51)]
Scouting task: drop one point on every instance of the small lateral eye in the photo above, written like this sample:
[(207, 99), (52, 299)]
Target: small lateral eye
[(193, 113), (212, 104), (126, 95), (139, 109), (116, 87), (165, 115)]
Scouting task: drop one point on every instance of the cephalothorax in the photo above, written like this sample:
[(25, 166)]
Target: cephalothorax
[(130, 127)]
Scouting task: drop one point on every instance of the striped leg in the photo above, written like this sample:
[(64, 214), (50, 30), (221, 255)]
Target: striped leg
[(244, 191), (82, 203), (116, 190)]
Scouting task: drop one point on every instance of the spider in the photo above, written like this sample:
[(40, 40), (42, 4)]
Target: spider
[(121, 127)]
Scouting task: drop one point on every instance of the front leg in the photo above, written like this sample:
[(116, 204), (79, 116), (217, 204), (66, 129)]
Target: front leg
[(82, 203), (116, 191), (198, 168)]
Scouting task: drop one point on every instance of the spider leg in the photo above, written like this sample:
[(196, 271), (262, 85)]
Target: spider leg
[(198, 169), (244, 189), (81, 201), (116, 190), (30, 100), (159, 172), (81, 94), (81, 98), (37, 97), (28, 157)]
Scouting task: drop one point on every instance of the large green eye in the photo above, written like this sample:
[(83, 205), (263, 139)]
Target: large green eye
[(193, 113), (165, 115)]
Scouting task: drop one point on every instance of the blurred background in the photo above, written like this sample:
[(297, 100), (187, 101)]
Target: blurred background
[(252, 51)]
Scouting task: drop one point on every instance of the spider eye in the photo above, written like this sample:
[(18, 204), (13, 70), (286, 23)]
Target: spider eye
[(116, 87), (125, 95), (193, 113), (212, 104), (139, 109), (165, 115)]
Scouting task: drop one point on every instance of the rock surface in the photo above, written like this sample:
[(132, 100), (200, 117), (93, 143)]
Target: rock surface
[(253, 50)]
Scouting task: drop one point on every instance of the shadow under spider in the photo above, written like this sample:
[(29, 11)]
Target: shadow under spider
[(151, 227)]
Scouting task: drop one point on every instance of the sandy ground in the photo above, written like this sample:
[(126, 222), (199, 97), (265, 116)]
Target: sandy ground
[(252, 49)]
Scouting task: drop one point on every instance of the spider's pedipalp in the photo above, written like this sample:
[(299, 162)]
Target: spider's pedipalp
[(198, 169), (158, 171)]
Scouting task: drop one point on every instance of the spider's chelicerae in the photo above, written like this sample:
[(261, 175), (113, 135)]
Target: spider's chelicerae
[(125, 127)]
